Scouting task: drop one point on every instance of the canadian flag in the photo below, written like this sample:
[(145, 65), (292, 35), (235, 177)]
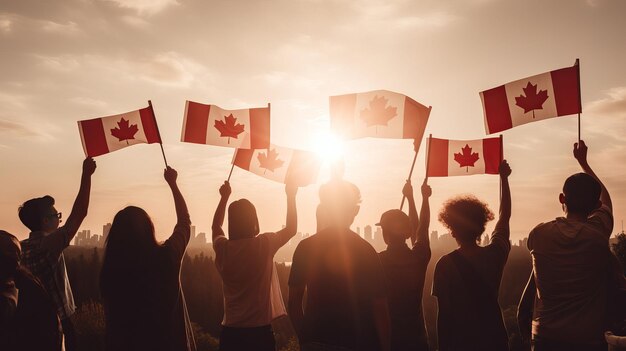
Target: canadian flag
[(209, 124), (379, 114), (107, 134), (547, 95), (280, 164), (463, 157)]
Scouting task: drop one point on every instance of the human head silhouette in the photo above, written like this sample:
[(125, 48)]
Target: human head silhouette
[(339, 203), (131, 230), (396, 226), (10, 253), (581, 194), (243, 222), (465, 217), (39, 214)]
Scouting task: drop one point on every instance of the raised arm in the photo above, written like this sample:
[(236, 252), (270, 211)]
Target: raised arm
[(291, 226), (422, 229), (182, 214), (580, 153), (218, 217), (505, 200), (407, 191), (81, 203)]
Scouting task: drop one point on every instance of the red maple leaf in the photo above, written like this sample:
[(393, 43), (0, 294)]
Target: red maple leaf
[(270, 161), (533, 100), (228, 128), (466, 158), (378, 113), (123, 131)]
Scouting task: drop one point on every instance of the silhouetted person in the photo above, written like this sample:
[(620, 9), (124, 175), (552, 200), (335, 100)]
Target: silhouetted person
[(571, 267), (245, 261), (28, 317), (143, 301), (42, 252), (346, 304), (467, 281), (405, 270)]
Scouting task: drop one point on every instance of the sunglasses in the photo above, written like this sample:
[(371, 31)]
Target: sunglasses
[(58, 215)]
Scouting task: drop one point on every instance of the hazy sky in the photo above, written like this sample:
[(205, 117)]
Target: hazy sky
[(64, 61)]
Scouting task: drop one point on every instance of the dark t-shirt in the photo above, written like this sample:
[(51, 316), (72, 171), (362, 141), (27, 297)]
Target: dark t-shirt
[(343, 275), (469, 315), (405, 271)]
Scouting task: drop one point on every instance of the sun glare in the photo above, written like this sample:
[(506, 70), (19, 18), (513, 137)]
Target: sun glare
[(328, 146)]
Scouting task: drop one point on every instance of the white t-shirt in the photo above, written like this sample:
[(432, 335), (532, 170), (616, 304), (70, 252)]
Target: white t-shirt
[(252, 296)]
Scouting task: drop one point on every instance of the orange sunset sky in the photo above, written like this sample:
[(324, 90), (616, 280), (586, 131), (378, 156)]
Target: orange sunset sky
[(68, 60)]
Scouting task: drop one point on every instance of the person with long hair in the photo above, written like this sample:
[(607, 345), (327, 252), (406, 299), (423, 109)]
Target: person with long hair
[(140, 285), (245, 261), (467, 281)]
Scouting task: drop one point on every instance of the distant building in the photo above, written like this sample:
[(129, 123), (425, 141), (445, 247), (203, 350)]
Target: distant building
[(434, 236), (85, 239), (367, 231), (105, 231)]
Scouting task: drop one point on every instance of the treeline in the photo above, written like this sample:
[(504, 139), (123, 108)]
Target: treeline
[(203, 292)]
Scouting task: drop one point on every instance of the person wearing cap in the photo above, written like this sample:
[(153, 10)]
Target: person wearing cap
[(405, 270), (43, 250), (28, 318), (466, 281)]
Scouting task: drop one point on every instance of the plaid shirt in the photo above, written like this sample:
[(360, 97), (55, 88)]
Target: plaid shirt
[(43, 256)]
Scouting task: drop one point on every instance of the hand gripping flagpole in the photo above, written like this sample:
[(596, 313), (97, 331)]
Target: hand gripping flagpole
[(580, 106), (158, 132), (416, 148)]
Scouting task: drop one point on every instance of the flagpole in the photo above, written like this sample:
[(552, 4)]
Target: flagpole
[(580, 107), (416, 148), (158, 132)]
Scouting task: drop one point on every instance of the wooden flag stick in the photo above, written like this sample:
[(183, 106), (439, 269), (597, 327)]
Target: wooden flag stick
[(158, 132), (580, 108), (416, 148)]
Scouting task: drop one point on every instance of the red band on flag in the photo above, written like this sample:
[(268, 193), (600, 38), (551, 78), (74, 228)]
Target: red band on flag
[(497, 113), (566, 83), (260, 128), (94, 141), (414, 119), (491, 154), (148, 121), (242, 158), (196, 125), (438, 158)]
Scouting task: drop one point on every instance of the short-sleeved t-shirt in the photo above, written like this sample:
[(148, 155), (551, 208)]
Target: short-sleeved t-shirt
[(405, 272), (252, 296), (476, 323), (343, 276), (570, 262)]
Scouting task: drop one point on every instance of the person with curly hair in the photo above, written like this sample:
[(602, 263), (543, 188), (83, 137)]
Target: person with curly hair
[(467, 280)]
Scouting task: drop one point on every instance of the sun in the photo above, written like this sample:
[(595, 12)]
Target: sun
[(328, 146)]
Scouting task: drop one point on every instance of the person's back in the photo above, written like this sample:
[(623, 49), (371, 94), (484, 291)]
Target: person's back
[(570, 268), (466, 281), (405, 270), (140, 282), (342, 274), (245, 261)]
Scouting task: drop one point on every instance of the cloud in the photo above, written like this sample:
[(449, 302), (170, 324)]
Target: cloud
[(148, 7), (17, 129), (6, 24), (614, 104), (60, 28), (608, 114)]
